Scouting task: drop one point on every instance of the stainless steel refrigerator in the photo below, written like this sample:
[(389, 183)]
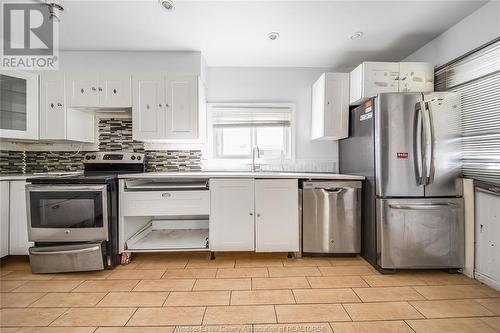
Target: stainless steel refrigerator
[(407, 145)]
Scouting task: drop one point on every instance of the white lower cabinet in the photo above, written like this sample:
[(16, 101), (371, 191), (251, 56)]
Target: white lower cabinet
[(231, 226), (277, 215), (248, 214), (4, 218), (18, 240)]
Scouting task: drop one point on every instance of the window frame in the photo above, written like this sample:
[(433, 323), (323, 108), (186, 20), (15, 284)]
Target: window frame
[(210, 150)]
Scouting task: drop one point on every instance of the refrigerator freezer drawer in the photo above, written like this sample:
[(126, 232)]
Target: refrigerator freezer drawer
[(420, 233)]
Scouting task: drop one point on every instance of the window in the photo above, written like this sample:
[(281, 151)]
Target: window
[(477, 77), (235, 129)]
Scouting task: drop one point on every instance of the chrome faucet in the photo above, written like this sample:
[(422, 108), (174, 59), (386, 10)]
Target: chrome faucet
[(255, 167)]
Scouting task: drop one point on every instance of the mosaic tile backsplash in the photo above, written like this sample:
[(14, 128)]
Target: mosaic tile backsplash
[(53, 161), (114, 134), (12, 161)]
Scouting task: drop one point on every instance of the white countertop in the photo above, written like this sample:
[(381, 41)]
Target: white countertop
[(242, 174), (24, 176)]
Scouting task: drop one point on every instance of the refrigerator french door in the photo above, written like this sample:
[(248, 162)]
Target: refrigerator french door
[(411, 161)]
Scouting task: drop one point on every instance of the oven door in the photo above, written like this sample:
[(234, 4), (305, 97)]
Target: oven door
[(62, 213)]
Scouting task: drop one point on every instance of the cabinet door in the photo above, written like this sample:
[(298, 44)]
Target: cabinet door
[(277, 215), (19, 243), (487, 246), (52, 107), (18, 105), (148, 108), (115, 91), (416, 77), (182, 107), (4, 218), (82, 90), (231, 226), (336, 114), (380, 77)]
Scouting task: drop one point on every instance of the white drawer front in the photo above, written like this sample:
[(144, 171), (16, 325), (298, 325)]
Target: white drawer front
[(169, 203)]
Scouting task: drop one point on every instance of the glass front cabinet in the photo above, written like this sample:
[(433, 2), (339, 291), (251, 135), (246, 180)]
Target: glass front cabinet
[(18, 105)]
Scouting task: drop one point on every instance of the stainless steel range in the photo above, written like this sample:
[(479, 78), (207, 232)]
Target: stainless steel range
[(73, 220)]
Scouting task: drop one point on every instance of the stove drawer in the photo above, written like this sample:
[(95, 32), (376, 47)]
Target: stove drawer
[(67, 258), (165, 203)]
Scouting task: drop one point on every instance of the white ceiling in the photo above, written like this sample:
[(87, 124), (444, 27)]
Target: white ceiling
[(233, 33)]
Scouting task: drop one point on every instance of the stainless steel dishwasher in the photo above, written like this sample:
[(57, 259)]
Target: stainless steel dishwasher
[(331, 217)]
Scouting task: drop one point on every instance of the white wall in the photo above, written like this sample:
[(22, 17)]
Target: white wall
[(271, 84), (478, 28)]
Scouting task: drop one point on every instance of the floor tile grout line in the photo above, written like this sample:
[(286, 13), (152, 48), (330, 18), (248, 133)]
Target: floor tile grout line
[(136, 309), (62, 314), (203, 317), (348, 314), (409, 326)]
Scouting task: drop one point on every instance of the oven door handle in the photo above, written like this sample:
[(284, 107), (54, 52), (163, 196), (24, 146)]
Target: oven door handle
[(75, 251), (60, 188)]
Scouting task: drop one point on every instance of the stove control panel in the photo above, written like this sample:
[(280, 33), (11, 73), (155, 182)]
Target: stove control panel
[(114, 157)]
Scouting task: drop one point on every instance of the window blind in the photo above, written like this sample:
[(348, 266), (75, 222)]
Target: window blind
[(251, 116), (477, 77)]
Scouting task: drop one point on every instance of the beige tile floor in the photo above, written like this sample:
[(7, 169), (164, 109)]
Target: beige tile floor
[(243, 293)]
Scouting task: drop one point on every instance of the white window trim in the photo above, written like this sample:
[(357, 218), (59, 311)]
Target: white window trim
[(214, 106)]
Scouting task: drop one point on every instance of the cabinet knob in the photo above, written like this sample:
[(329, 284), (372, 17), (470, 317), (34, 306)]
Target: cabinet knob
[(82, 90), (147, 106), (52, 105), (159, 105), (251, 214), (100, 89), (59, 104), (328, 102), (166, 195), (93, 89), (114, 91), (258, 215), (166, 105)]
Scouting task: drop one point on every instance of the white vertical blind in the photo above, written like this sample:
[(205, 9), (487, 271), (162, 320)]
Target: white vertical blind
[(477, 77)]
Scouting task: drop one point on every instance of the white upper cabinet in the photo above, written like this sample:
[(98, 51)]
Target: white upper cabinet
[(57, 122), (148, 115), (52, 106), (371, 78), (19, 117), (115, 91), (231, 225), (276, 215), (82, 90), (181, 107), (416, 77), (98, 90), (330, 107), (165, 107)]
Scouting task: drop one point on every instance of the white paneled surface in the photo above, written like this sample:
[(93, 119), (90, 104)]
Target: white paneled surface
[(276, 215), (148, 118), (231, 225), (4, 218), (487, 258), (330, 107), (18, 241), (52, 106), (181, 107)]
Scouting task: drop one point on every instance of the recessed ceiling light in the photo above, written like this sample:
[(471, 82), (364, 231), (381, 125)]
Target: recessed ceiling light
[(356, 35), (273, 35), (167, 4)]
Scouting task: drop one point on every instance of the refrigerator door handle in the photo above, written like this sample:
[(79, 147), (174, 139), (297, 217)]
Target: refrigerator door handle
[(417, 144), (427, 206), (429, 155)]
